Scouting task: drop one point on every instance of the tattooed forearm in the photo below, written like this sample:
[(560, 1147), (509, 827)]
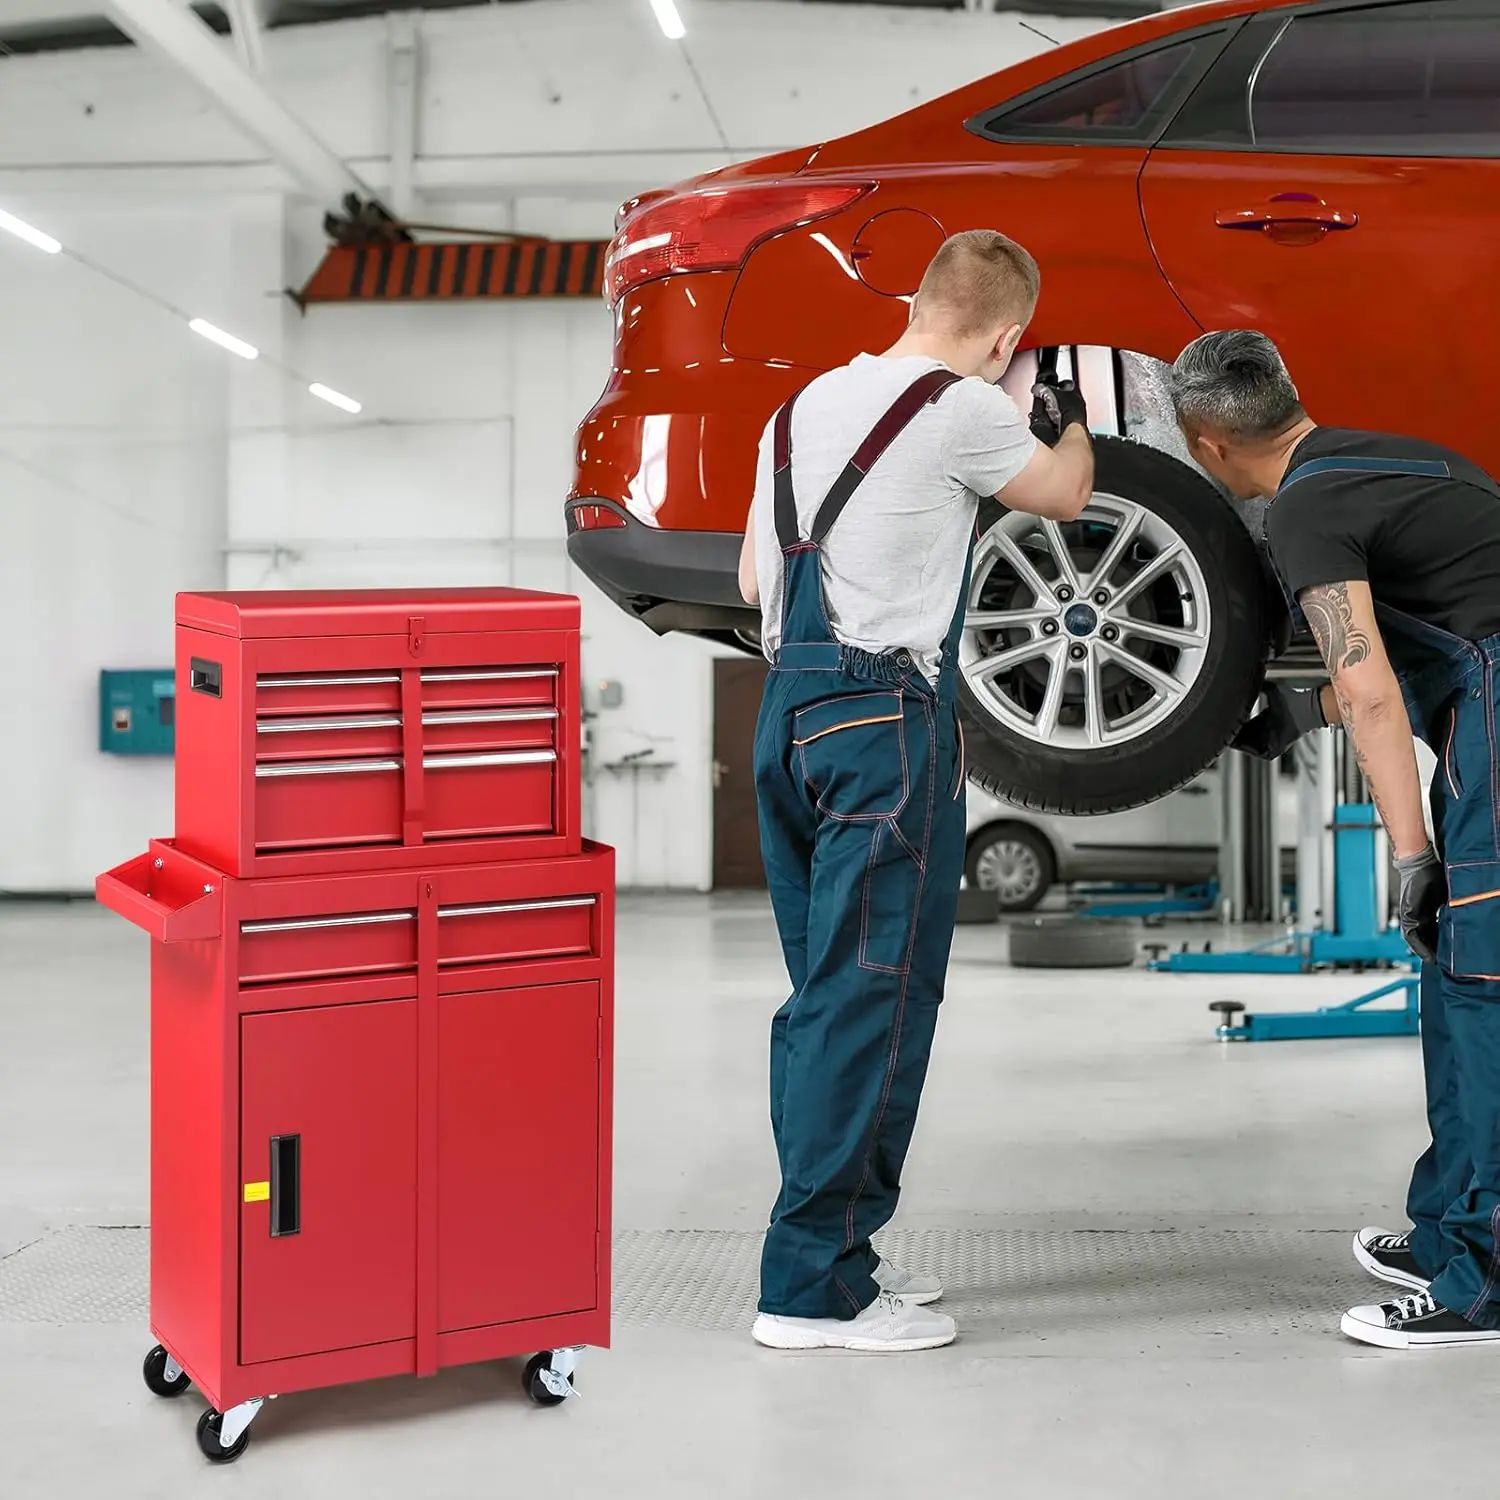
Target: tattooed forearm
[(1331, 619), (1356, 735)]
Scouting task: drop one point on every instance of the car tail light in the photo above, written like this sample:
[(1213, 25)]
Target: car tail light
[(714, 229)]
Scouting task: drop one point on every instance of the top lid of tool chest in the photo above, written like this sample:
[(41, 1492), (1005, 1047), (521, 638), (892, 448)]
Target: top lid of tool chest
[(275, 613)]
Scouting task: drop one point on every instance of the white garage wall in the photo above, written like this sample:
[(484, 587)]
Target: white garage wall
[(136, 460)]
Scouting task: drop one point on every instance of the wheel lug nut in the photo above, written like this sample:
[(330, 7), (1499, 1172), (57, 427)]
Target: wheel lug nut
[(1110, 633), (1049, 627), (1078, 652), (1065, 594), (1101, 596)]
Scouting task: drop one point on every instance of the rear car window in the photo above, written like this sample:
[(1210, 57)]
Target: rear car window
[(1414, 79), (1124, 101)]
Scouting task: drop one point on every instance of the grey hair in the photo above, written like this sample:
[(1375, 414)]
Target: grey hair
[(1236, 384)]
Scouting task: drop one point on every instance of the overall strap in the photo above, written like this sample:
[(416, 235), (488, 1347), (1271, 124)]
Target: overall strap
[(1426, 468), (785, 497), (923, 391)]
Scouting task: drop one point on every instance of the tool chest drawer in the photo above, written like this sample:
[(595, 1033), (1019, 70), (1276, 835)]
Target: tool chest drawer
[(371, 730)]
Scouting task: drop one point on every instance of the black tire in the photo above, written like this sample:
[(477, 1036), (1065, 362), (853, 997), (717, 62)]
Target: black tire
[(1169, 755), (209, 1425), (154, 1372), (1012, 898), (1072, 943), (532, 1380)]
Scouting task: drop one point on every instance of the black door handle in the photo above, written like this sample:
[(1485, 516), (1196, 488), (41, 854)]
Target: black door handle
[(286, 1185)]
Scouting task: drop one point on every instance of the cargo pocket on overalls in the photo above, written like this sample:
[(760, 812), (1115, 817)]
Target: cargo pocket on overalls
[(852, 753), (1469, 926), (892, 889)]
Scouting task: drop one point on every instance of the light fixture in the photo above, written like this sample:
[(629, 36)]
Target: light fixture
[(24, 231), (204, 329), (335, 398), (668, 19)]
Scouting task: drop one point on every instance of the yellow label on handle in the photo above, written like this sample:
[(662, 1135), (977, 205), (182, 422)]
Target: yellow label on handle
[(257, 1192)]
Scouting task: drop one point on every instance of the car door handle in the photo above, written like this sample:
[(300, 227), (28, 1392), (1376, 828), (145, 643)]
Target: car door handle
[(1289, 212)]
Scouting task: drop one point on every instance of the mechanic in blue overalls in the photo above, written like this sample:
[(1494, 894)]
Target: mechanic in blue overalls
[(1391, 548), (858, 551)]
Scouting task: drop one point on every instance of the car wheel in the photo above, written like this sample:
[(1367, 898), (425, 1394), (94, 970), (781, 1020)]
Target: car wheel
[(1106, 661), (1013, 862)]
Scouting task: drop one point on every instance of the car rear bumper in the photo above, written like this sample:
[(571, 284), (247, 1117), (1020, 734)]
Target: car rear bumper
[(671, 580)]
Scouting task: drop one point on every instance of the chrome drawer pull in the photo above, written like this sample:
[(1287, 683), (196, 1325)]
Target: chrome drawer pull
[(285, 682), (565, 903), (312, 924), (328, 768), (491, 716), (311, 726), (494, 758), (523, 676)]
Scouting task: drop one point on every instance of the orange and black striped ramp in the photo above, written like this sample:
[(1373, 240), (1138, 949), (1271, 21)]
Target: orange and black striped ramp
[(458, 270)]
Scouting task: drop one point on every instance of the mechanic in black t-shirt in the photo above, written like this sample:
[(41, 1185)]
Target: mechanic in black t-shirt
[(1391, 547)]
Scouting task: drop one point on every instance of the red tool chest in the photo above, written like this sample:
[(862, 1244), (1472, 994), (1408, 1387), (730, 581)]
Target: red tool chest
[(381, 1000), (373, 730)]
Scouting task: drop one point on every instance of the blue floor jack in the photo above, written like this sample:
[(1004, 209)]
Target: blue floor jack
[(1360, 939), (1150, 903)]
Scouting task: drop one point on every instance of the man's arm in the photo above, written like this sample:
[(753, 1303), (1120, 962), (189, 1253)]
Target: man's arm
[(1058, 482), (1368, 699), (749, 585)]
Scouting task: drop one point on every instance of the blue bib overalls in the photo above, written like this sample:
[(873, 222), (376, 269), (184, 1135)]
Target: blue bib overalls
[(859, 780), (1452, 692)]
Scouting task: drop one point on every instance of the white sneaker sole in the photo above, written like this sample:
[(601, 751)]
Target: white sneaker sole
[(1367, 1262), (1394, 1338), (779, 1336)]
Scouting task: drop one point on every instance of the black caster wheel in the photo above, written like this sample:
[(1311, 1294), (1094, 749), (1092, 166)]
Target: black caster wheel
[(536, 1388), (154, 1371), (209, 1425)]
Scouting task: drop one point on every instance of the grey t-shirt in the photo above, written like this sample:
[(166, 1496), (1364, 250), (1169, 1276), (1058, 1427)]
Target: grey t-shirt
[(894, 561)]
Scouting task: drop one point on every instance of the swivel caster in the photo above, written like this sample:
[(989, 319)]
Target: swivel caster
[(223, 1437), (163, 1375), (548, 1377)]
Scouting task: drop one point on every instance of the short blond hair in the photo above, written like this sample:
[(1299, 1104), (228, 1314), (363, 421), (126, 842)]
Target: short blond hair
[(978, 280)]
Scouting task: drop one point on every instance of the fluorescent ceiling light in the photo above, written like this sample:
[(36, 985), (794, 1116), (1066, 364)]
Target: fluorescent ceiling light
[(23, 231), (335, 398), (668, 19), (206, 330)]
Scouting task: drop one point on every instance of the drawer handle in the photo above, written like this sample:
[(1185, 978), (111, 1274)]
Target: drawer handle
[(492, 716), (311, 924), (493, 758), (500, 908), (311, 726), (524, 676), (329, 768), (286, 682)]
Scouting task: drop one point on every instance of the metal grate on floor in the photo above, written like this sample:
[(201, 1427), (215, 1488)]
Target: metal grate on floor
[(1194, 1282)]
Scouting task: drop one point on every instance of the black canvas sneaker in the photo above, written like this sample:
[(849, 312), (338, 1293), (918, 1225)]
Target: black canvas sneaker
[(1389, 1257), (1415, 1322)]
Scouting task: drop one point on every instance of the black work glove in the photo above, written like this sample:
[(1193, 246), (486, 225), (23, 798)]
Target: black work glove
[(1288, 715), (1424, 889), (1055, 407)]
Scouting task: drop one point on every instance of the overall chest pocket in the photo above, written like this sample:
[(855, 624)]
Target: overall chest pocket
[(852, 753)]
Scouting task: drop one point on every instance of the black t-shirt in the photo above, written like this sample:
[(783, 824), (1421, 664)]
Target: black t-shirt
[(1427, 544)]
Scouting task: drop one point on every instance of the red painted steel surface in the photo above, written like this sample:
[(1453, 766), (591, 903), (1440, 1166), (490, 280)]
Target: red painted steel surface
[(375, 729), (343, 1081), (1134, 253), (498, 975)]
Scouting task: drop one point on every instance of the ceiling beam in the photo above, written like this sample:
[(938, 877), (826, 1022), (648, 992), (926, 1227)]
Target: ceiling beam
[(245, 22), (176, 33)]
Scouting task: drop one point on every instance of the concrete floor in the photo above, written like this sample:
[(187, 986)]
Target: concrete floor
[(1145, 1235)]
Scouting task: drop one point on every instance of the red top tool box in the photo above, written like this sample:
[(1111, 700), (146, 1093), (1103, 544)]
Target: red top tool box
[(376, 729)]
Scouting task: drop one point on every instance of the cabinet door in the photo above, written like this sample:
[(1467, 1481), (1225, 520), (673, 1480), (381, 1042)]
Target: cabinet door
[(518, 1141), (328, 1162)]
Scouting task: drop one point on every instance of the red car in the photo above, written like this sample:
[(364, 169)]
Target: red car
[(1329, 173)]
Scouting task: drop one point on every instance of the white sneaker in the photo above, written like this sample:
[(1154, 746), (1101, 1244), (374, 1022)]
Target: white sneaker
[(918, 1290), (889, 1325)]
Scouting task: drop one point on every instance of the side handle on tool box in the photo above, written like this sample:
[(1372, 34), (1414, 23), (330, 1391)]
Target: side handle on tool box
[(174, 906)]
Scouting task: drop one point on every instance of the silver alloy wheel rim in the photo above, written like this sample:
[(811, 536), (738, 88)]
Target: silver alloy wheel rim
[(1011, 869), (1079, 656)]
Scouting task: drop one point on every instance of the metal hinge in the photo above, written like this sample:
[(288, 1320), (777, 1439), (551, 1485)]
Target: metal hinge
[(416, 634)]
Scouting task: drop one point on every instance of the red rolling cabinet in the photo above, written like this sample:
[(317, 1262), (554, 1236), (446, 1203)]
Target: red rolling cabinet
[(380, 1122), (376, 729)]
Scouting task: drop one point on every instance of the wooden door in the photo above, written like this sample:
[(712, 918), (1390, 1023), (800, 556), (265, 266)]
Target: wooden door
[(738, 682)]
